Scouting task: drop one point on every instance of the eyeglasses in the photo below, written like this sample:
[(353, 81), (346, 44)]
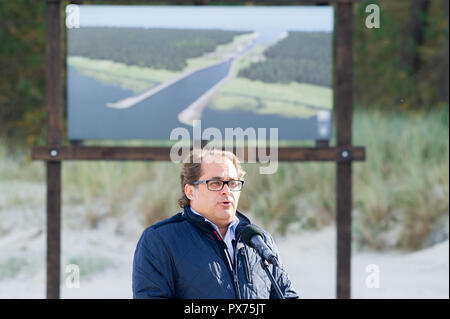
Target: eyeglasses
[(217, 185)]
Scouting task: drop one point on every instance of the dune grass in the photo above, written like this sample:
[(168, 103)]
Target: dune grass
[(401, 192)]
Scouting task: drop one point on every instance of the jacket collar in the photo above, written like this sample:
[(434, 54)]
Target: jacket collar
[(200, 222)]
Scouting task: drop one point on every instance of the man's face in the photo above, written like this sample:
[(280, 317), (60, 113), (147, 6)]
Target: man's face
[(218, 206)]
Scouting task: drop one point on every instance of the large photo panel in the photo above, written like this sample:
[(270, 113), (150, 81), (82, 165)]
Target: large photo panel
[(138, 72)]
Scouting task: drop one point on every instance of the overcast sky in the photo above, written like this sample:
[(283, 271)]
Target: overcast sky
[(299, 18)]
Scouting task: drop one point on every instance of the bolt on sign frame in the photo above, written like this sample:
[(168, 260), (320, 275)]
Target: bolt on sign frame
[(344, 153)]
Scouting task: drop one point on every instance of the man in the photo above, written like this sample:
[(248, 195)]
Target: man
[(199, 252)]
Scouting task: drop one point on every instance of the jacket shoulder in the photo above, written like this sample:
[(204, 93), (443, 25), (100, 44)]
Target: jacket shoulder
[(165, 226), (162, 230), (177, 218)]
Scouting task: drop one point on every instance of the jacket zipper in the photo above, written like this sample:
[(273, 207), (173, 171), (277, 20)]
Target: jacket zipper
[(235, 277), (230, 265), (243, 252)]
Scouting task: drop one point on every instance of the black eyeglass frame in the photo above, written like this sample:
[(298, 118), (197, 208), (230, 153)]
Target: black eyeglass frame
[(223, 184)]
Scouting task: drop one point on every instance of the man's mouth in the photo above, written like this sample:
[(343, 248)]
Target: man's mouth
[(226, 203)]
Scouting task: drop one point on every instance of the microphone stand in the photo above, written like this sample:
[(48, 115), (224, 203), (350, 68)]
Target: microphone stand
[(265, 266)]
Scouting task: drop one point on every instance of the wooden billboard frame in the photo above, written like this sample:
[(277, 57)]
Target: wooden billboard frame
[(344, 153)]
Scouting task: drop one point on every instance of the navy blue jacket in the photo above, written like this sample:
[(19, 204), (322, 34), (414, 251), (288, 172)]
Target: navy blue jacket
[(183, 257)]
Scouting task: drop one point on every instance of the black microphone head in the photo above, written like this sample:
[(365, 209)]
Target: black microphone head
[(249, 231)]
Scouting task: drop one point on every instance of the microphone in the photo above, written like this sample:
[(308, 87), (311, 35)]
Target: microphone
[(252, 236)]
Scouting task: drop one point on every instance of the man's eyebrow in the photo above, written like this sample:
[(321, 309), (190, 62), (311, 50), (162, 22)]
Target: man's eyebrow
[(220, 177)]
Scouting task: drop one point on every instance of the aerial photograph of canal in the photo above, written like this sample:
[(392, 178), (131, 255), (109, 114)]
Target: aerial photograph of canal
[(138, 72)]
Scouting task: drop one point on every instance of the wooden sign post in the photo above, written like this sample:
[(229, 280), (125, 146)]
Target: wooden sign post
[(344, 153)]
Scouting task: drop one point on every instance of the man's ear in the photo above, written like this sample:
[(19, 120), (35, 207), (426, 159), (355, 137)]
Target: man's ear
[(189, 191)]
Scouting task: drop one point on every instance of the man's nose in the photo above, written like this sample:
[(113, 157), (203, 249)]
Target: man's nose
[(225, 189)]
